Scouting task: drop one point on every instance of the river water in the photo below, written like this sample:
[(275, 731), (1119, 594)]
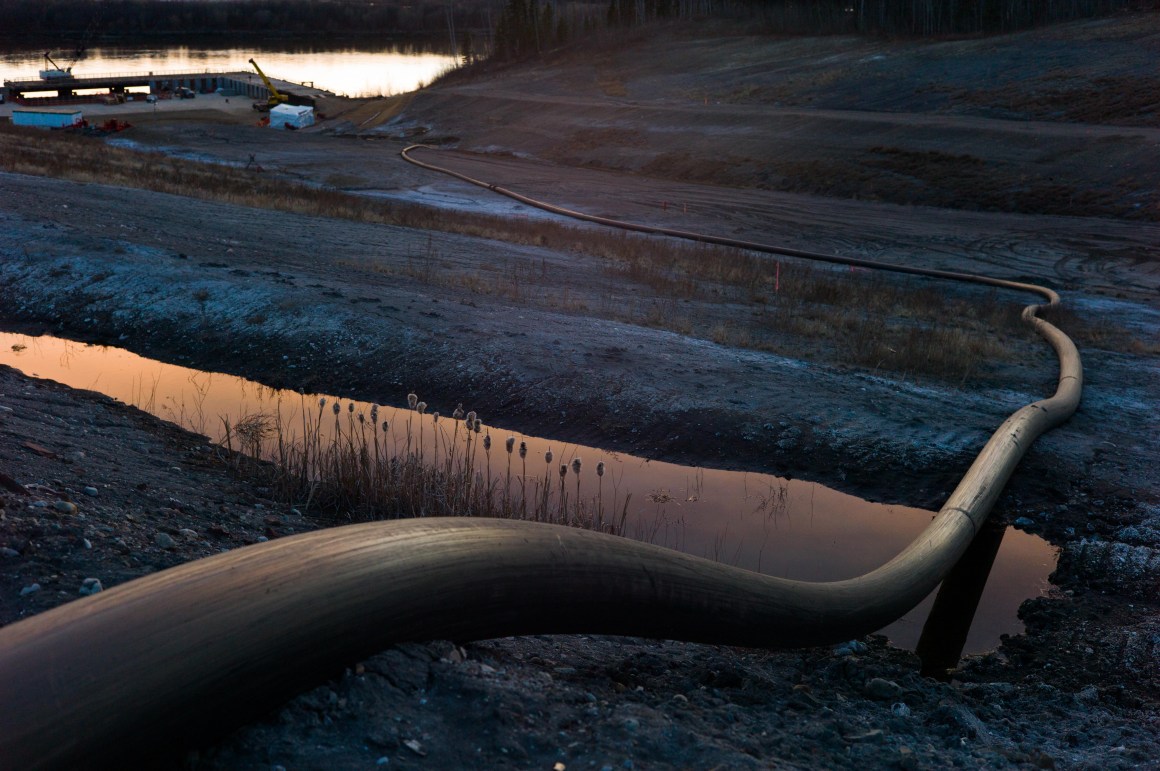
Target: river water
[(787, 528), (356, 71)]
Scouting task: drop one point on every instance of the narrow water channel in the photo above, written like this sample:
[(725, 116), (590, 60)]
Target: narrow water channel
[(789, 528)]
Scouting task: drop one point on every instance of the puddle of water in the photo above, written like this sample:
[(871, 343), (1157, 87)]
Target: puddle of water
[(793, 529)]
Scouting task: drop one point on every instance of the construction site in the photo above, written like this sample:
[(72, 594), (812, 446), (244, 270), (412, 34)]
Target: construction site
[(97, 105), (57, 87), (322, 262)]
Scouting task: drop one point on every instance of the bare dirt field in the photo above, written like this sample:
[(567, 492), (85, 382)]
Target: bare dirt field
[(1028, 156)]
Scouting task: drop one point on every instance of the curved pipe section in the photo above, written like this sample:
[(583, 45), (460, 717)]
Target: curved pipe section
[(213, 643)]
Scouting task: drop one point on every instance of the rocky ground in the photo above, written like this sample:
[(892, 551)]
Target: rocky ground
[(94, 490)]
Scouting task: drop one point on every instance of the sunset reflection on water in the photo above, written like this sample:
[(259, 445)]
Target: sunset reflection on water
[(347, 72), (792, 529)]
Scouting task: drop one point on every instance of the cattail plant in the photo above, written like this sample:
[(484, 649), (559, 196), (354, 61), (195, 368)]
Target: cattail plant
[(563, 495), (487, 453), (342, 473), (576, 464), (336, 408), (524, 479), (412, 404), (545, 491), (375, 434), (599, 524), (508, 445), (421, 408), (457, 415), (468, 457)]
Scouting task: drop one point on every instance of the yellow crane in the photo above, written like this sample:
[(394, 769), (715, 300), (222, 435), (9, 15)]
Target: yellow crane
[(276, 97)]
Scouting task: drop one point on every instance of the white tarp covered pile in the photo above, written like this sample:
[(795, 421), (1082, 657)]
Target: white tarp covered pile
[(291, 116)]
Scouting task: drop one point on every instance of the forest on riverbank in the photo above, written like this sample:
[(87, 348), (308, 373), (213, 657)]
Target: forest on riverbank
[(79, 23)]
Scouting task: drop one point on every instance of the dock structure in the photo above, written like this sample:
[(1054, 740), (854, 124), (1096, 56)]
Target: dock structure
[(243, 84)]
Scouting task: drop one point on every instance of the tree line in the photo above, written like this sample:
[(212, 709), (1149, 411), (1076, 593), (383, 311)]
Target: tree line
[(933, 17), (512, 29), (127, 19), (529, 26)]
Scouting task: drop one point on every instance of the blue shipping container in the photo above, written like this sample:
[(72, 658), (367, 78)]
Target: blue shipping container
[(46, 118)]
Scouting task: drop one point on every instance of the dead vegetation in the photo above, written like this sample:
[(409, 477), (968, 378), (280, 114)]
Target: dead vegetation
[(750, 300), (906, 176), (732, 297), (863, 318), (1102, 333), (1064, 96), (959, 181), (349, 465)]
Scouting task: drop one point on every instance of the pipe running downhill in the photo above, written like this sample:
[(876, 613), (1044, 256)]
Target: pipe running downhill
[(205, 646)]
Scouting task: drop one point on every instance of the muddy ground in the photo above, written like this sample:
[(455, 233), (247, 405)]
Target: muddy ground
[(840, 145)]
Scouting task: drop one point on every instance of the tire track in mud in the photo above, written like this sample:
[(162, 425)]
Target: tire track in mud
[(731, 115)]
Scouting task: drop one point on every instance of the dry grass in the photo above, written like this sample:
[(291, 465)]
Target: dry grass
[(960, 181), (1101, 333), (350, 466), (859, 317), (609, 78), (1065, 96), (732, 297), (611, 85), (793, 89), (64, 155)]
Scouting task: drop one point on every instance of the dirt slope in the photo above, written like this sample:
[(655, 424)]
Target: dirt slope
[(1046, 122)]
